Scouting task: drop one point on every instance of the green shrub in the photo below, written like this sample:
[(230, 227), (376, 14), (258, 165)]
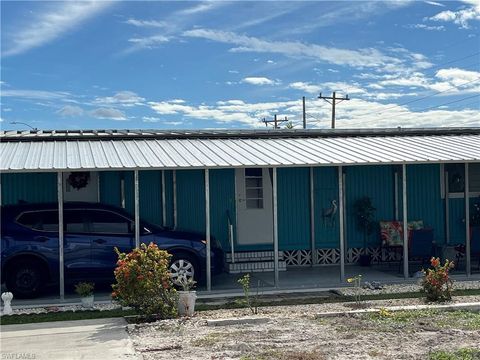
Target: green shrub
[(436, 283), (143, 282), (84, 289)]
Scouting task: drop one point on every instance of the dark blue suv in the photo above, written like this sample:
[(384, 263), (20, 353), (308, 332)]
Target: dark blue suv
[(30, 251)]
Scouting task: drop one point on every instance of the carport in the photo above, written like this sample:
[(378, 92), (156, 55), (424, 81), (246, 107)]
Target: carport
[(169, 152)]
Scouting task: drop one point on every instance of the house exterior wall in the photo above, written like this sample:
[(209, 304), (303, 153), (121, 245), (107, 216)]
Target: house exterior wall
[(424, 200), (325, 190), (377, 183), (17, 187), (293, 208)]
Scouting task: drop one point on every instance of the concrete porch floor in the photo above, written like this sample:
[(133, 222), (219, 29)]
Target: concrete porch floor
[(302, 279)]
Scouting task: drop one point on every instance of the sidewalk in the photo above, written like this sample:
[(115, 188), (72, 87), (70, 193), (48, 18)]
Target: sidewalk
[(104, 339)]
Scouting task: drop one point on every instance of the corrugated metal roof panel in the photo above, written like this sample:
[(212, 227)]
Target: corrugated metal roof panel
[(141, 153)]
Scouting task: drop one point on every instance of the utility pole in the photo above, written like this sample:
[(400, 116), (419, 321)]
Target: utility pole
[(275, 121), (304, 113), (334, 101)]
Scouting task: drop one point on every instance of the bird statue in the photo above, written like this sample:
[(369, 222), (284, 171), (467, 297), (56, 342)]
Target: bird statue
[(329, 214)]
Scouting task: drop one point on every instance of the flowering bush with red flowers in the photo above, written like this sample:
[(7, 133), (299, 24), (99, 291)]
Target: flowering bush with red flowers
[(436, 283), (143, 282)]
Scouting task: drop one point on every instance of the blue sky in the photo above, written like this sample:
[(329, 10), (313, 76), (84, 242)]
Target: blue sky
[(177, 65)]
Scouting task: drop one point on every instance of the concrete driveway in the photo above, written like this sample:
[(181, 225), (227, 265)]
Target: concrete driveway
[(104, 339)]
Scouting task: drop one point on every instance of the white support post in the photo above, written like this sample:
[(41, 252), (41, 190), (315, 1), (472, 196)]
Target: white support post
[(275, 227), (174, 180), (395, 196), (164, 205), (312, 218), (467, 223), (61, 259), (405, 222), (137, 209), (447, 210), (207, 230), (341, 212)]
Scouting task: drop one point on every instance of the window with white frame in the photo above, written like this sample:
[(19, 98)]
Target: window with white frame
[(254, 188), (453, 179)]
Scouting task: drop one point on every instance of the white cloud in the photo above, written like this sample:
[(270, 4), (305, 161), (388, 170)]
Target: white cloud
[(146, 23), (435, 3), (35, 94), (357, 113), (150, 119), (124, 98), (259, 80), (306, 87), (461, 17), (6, 109), (70, 110), (108, 113), (425, 27), (457, 76), (368, 57), (343, 87), (149, 42), (48, 25)]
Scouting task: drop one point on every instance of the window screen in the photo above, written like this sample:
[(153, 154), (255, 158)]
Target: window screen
[(254, 188)]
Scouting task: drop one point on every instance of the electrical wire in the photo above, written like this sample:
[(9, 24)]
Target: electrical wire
[(421, 98)]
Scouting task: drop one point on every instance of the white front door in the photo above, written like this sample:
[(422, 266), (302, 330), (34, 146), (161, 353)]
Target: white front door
[(80, 186), (254, 206)]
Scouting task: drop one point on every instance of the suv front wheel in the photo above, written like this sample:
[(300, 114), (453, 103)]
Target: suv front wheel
[(25, 279), (183, 265)]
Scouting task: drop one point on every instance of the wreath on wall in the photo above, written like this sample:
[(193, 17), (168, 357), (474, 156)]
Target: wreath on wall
[(78, 180)]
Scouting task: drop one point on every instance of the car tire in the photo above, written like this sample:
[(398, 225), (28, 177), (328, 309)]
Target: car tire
[(184, 264), (25, 279)]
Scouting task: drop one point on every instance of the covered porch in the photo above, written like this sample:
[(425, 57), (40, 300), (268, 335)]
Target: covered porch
[(303, 233)]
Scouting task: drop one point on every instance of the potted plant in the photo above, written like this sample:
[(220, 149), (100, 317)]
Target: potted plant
[(186, 297), (85, 290), (364, 215)]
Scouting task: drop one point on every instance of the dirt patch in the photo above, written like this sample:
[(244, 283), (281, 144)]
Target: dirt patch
[(293, 333)]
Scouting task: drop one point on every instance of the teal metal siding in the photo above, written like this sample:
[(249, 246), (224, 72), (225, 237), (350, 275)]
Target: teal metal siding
[(325, 190), (424, 198), (150, 194), (293, 208), (191, 200), (32, 187), (110, 188), (222, 199), (377, 183), (169, 198)]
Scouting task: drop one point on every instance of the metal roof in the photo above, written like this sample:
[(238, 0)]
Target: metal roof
[(40, 135), (22, 154)]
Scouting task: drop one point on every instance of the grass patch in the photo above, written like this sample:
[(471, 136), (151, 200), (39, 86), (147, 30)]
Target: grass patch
[(229, 304), (208, 340), (64, 316), (277, 354), (434, 318), (461, 354)]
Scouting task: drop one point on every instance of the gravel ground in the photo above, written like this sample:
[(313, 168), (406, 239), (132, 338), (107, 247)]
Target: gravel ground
[(293, 333), (404, 288)]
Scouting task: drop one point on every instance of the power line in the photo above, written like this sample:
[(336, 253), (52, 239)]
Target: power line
[(447, 103), (421, 98)]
